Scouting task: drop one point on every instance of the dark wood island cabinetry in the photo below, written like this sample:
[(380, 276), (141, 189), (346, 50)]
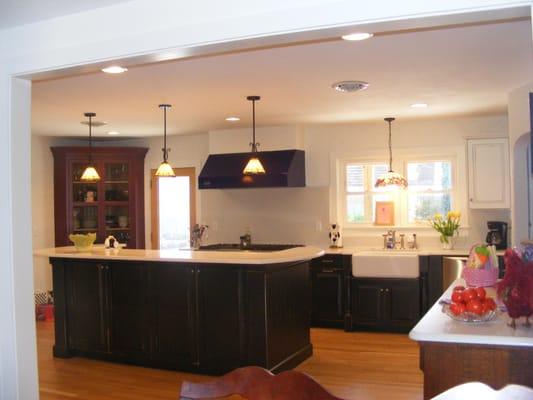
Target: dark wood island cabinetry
[(198, 317)]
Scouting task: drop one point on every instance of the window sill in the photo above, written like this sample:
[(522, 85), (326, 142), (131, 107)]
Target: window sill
[(363, 230)]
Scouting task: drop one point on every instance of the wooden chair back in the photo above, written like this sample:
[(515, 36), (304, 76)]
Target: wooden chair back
[(255, 383)]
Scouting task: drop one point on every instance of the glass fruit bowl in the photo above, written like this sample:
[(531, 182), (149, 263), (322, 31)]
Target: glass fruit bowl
[(468, 316), (83, 242)]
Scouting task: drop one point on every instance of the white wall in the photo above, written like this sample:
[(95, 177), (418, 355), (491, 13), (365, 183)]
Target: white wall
[(269, 138), (301, 214), (519, 141), (42, 207)]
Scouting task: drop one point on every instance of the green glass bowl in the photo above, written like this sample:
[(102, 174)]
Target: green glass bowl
[(83, 242)]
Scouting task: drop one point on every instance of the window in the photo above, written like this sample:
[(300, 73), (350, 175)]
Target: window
[(361, 196), (431, 190)]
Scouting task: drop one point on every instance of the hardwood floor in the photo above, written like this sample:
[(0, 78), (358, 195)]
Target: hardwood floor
[(351, 365)]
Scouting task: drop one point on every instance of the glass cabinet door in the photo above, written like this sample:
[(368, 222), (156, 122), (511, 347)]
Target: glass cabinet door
[(116, 182), (117, 208), (117, 222), (82, 192), (85, 219)]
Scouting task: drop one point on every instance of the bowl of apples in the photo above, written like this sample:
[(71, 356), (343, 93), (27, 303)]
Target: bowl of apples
[(470, 305)]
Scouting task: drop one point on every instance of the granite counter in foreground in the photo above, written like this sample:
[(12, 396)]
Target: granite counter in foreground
[(453, 352), (197, 311)]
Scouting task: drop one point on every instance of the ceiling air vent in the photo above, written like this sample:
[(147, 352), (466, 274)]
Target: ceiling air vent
[(350, 86)]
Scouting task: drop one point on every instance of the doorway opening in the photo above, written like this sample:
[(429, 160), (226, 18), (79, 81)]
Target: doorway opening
[(173, 209)]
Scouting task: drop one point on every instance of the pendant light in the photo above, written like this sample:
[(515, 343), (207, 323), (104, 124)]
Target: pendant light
[(90, 174), (254, 166), (164, 168), (391, 179)]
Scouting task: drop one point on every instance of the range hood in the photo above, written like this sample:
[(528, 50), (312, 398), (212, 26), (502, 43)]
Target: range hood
[(284, 168)]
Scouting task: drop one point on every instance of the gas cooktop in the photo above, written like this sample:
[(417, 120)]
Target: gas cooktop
[(251, 247)]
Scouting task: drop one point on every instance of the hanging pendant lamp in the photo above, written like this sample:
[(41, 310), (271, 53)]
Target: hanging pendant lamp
[(164, 168), (90, 174), (391, 179), (254, 166)]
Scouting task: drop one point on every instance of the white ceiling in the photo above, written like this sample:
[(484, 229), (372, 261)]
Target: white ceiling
[(457, 71), (21, 12)]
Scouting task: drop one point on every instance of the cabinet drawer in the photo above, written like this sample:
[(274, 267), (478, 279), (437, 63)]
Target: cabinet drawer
[(332, 261)]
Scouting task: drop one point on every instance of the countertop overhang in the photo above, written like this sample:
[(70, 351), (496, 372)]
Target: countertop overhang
[(304, 253), (437, 327)]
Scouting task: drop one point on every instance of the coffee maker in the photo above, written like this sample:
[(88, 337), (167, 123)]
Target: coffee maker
[(497, 234)]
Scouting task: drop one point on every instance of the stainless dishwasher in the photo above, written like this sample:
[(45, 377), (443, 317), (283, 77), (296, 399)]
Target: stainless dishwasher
[(452, 267)]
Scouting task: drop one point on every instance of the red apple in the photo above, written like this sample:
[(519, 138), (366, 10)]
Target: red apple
[(481, 293), (474, 306), (469, 295), (458, 296)]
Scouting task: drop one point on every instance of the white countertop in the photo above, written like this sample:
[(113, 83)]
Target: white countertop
[(428, 251), (196, 256), (436, 326)]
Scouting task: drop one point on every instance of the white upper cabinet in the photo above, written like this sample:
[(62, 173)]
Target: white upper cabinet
[(488, 173)]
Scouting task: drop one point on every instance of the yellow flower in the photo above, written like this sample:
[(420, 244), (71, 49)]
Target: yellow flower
[(437, 217), (453, 215)]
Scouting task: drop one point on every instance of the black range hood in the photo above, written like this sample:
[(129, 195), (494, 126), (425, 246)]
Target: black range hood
[(284, 168)]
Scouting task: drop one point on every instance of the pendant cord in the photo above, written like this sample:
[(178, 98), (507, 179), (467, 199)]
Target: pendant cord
[(165, 134), (90, 142), (390, 148), (254, 147)]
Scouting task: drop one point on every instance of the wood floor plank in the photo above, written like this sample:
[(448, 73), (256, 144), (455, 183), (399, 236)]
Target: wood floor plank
[(352, 365)]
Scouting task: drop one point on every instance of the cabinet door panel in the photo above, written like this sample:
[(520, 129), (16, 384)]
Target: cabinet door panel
[(173, 313), (488, 158), (367, 301), (404, 300), (127, 298), (85, 307), (220, 311), (327, 302)]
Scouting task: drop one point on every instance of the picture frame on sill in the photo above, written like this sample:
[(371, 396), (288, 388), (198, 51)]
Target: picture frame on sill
[(384, 213)]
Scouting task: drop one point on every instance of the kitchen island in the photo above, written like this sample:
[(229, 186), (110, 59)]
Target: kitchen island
[(198, 311), (453, 352)]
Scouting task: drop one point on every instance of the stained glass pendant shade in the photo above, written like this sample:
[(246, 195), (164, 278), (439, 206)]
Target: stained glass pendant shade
[(164, 169), (90, 174), (254, 166), (391, 179)]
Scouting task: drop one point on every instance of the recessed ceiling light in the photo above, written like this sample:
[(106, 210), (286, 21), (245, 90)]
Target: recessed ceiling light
[(419, 105), (233, 119), (350, 86), (114, 69), (358, 36), (113, 133)]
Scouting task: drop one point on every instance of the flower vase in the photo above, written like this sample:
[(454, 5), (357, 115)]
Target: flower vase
[(447, 242)]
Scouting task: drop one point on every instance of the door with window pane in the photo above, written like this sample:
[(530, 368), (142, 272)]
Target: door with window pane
[(173, 209)]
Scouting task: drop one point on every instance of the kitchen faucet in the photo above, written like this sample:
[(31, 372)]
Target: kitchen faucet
[(390, 242)]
